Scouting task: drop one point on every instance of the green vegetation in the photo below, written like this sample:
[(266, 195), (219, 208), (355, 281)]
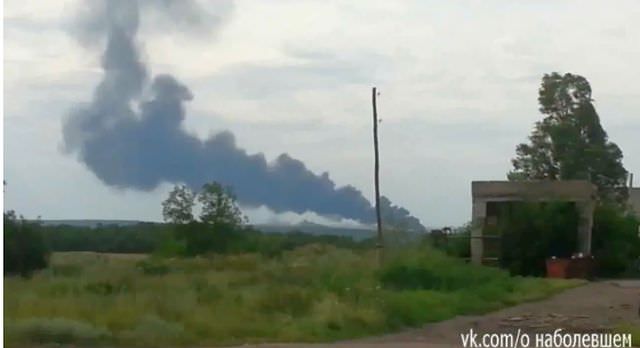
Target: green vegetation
[(615, 242), (312, 293), (149, 238), (569, 143), (529, 233), (532, 232), (24, 247), (632, 329), (221, 227), (138, 238)]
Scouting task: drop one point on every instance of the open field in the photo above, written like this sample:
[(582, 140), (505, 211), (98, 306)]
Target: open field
[(315, 293)]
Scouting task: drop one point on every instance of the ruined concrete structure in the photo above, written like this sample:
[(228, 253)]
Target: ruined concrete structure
[(634, 200), (488, 193)]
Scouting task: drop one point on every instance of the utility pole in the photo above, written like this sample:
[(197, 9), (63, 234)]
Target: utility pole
[(379, 244)]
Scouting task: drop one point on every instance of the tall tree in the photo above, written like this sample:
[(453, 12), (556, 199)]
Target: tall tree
[(219, 206), (569, 142), (178, 207)]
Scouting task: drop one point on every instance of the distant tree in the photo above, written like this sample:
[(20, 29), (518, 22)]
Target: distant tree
[(219, 226), (569, 142), (178, 207), (219, 206)]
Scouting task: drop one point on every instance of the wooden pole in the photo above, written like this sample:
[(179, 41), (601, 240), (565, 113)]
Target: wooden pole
[(379, 244)]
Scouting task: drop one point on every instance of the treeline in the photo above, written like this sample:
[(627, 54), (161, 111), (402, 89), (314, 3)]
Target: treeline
[(150, 237), (27, 244), (139, 238)]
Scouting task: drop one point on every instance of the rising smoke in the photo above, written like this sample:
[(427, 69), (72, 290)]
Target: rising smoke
[(132, 141)]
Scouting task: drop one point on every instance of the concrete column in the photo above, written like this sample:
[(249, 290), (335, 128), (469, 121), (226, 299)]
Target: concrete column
[(478, 216), (585, 225)]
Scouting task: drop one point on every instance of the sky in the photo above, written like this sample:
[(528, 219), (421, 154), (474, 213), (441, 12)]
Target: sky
[(458, 85)]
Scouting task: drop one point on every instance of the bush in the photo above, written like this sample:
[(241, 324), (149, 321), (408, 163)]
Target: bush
[(137, 238), (153, 267), (413, 308), (66, 270), (416, 277), (107, 288), (532, 232), (457, 243), (24, 248), (206, 293), (154, 331), (615, 242), (199, 238), (433, 271), (290, 300), (56, 330)]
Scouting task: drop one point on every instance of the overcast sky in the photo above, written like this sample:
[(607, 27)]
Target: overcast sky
[(458, 83)]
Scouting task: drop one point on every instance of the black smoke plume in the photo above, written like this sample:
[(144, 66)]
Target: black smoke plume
[(131, 135)]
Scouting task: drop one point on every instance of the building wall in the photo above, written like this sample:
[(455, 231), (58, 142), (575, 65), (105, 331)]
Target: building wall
[(486, 194), (634, 199)]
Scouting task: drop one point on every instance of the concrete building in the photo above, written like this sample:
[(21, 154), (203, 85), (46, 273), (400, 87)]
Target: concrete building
[(487, 195), (634, 200)]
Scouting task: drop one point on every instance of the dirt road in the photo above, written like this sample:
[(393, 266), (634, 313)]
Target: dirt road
[(594, 307)]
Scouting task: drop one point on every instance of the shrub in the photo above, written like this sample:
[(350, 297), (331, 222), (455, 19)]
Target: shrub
[(110, 286), (154, 331), (24, 248), (171, 247), (458, 244), (56, 330), (200, 238), (241, 263), (615, 242), (294, 301), (430, 270), (205, 291), (137, 238), (416, 277), (412, 308), (66, 270), (153, 267), (532, 232)]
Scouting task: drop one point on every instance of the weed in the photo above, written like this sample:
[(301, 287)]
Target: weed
[(56, 330)]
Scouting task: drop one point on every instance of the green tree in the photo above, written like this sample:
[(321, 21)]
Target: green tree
[(24, 247), (615, 241), (219, 206), (178, 207), (219, 225), (569, 142)]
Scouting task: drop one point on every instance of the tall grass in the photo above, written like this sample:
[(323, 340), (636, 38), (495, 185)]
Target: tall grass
[(313, 293)]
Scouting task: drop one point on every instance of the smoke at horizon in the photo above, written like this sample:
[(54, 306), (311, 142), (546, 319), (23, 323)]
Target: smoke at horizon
[(131, 141)]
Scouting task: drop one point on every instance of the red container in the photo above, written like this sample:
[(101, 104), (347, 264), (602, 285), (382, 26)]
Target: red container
[(557, 268), (581, 267)]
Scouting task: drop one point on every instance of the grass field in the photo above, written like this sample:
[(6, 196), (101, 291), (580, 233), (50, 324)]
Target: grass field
[(314, 293)]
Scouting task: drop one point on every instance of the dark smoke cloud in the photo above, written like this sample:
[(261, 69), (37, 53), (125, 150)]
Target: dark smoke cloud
[(133, 142)]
